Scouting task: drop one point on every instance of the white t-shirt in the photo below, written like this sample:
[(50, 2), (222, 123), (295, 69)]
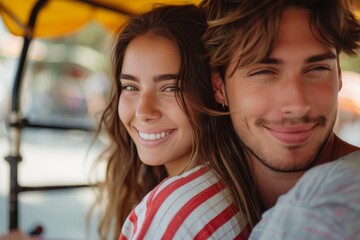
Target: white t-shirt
[(324, 204)]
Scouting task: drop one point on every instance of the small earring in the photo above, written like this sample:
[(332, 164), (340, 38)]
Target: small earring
[(223, 106)]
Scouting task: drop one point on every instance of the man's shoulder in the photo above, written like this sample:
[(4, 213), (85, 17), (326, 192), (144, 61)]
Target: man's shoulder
[(340, 178), (343, 148), (341, 166), (324, 204), (351, 159)]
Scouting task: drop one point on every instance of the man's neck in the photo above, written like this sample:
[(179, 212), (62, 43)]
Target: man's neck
[(271, 184)]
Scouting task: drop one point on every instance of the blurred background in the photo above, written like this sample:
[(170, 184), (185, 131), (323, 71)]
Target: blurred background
[(66, 80)]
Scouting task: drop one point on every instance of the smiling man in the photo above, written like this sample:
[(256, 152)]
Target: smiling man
[(284, 107), (276, 68)]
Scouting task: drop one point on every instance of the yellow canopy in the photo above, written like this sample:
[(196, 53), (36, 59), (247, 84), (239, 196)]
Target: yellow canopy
[(61, 17)]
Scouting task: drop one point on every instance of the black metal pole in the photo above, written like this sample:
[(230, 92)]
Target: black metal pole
[(14, 190), (15, 120), (16, 123)]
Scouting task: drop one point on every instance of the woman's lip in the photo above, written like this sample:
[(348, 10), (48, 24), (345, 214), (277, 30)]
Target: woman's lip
[(292, 136)]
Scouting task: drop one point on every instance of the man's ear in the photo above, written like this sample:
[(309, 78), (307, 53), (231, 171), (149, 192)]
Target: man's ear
[(218, 87), (339, 76)]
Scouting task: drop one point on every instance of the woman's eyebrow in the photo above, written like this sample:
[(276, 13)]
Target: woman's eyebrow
[(128, 77), (157, 78), (164, 77)]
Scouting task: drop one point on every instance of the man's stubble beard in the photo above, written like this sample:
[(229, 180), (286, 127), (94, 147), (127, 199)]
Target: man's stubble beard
[(257, 153)]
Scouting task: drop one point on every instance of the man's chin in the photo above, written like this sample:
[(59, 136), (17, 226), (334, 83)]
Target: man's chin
[(288, 165)]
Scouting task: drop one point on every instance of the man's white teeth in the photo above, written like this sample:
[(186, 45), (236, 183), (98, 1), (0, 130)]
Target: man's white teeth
[(152, 136)]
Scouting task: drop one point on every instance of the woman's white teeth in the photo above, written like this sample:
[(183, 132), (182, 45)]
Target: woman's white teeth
[(152, 136)]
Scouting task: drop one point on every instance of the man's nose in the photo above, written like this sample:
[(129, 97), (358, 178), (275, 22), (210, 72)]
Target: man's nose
[(295, 98)]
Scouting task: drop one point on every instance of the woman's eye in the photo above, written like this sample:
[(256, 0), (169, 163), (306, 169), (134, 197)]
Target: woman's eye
[(171, 89), (128, 88)]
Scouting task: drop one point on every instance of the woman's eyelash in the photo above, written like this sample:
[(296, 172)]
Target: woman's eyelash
[(128, 87), (171, 89)]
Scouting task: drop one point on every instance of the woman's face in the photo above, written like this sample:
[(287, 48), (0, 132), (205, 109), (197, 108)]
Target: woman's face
[(148, 107)]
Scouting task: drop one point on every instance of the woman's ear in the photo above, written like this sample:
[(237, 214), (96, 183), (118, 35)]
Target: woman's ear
[(218, 87)]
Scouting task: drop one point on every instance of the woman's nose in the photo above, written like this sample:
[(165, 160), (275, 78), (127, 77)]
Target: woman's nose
[(148, 107)]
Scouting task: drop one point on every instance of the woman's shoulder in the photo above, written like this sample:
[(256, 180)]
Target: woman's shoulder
[(188, 190), (195, 179), (191, 204)]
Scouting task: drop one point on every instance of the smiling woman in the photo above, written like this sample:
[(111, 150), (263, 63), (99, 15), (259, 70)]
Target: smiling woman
[(148, 106), (153, 157)]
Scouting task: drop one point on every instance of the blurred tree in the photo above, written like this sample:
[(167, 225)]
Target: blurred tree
[(350, 63)]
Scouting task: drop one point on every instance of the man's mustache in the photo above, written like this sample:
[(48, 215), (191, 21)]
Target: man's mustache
[(320, 121)]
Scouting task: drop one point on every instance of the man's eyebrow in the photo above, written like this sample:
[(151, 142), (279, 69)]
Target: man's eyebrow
[(271, 61), (321, 57), (311, 59)]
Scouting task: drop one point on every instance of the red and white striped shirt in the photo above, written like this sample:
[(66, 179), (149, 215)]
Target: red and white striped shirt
[(193, 205)]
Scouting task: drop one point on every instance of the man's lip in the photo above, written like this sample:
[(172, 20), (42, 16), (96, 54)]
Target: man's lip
[(291, 129), (292, 135)]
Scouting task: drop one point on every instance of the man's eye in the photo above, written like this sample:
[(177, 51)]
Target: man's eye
[(320, 68), (261, 72), (318, 72)]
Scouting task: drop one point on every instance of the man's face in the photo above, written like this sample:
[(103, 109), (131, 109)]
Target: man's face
[(284, 108)]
